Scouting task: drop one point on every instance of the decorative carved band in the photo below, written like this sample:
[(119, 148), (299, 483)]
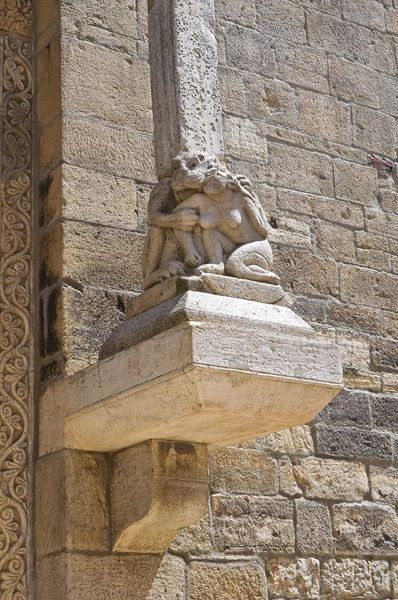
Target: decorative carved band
[(16, 15), (15, 309)]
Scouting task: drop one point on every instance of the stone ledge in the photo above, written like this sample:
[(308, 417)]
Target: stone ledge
[(198, 368)]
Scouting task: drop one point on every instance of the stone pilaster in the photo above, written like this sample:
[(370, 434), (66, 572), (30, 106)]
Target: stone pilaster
[(16, 123), (186, 103)]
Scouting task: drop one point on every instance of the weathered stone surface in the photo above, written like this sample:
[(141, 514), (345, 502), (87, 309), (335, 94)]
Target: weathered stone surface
[(110, 577), (349, 408), (355, 183), (102, 256), (354, 82), (334, 241), (72, 509), (369, 287), (384, 354), (312, 172), (213, 581), (384, 485), (98, 146), (301, 65), (293, 578), (296, 441), (302, 272), (355, 578), (325, 117), (365, 12), (385, 412), (194, 540), (374, 131), (369, 529), (286, 22), (238, 470), (250, 50), (245, 138), (325, 208), (364, 319), (331, 479), (351, 41), (254, 523), (287, 483), (352, 442), (314, 528), (274, 102)]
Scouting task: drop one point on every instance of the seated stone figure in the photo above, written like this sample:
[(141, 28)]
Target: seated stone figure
[(204, 219), (234, 226)]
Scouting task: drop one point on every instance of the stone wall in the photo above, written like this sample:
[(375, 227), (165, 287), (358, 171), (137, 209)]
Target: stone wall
[(309, 92)]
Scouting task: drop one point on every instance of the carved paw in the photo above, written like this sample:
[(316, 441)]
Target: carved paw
[(193, 260), (174, 268), (210, 268)]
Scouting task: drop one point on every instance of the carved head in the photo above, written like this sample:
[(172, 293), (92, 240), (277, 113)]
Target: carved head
[(190, 170)]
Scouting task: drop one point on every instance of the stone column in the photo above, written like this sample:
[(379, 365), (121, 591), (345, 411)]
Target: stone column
[(16, 123), (186, 103)]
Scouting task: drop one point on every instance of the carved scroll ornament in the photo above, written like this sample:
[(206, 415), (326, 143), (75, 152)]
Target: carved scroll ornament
[(204, 219), (15, 301)]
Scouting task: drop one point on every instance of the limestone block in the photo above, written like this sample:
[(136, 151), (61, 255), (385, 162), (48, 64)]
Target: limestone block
[(208, 581), (250, 50), (287, 483), (324, 208), (102, 256), (110, 577), (351, 41), (331, 479), (334, 241), (296, 441), (243, 13), (382, 223), (312, 171), (353, 442), (355, 183), (384, 485), (72, 510), (50, 145), (355, 578), (124, 96), (302, 65), (194, 540), (233, 90), (275, 102), (99, 198), (314, 528), (293, 578), (100, 15), (49, 103), (385, 412), (374, 131), (245, 139), (157, 489), (282, 20), (355, 317), (369, 287), (367, 528), (384, 354), (239, 470), (365, 12), (99, 146), (302, 272), (354, 82), (324, 117), (214, 389), (253, 523)]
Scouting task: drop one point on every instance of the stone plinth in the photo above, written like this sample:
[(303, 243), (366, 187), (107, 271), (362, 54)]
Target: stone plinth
[(200, 368)]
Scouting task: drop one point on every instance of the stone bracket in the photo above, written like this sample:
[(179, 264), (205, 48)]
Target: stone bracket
[(157, 488)]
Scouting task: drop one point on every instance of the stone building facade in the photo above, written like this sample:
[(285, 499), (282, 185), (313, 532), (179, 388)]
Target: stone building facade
[(309, 94)]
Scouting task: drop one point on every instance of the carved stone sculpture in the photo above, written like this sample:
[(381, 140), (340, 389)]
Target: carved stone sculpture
[(204, 219)]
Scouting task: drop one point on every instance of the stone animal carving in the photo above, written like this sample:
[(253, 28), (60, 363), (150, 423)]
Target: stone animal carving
[(206, 220)]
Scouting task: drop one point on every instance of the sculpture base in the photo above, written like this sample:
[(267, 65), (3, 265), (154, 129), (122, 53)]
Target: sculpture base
[(220, 285), (198, 368)]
